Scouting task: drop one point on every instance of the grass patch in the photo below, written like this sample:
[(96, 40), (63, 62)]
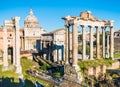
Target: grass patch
[(117, 55), (58, 73), (29, 80), (26, 65), (95, 63)]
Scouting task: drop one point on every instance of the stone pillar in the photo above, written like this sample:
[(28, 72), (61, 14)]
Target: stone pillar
[(84, 42), (17, 45), (5, 47), (112, 42), (107, 55), (75, 45), (44, 44), (14, 48), (98, 42), (91, 42), (55, 55), (41, 45), (72, 72), (60, 54), (49, 52), (66, 46), (21, 40), (22, 43), (26, 43), (103, 42)]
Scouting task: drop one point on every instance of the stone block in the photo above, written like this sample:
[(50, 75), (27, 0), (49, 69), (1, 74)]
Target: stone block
[(72, 74)]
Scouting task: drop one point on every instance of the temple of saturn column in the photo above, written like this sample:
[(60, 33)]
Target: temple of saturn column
[(86, 20), (16, 45)]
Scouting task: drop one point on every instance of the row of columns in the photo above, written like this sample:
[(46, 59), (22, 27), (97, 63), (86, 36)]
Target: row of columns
[(56, 52), (16, 47), (75, 43)]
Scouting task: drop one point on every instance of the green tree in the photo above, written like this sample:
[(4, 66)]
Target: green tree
[(80, 37)]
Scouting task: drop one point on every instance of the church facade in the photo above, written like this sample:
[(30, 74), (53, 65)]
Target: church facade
[(29, 34)]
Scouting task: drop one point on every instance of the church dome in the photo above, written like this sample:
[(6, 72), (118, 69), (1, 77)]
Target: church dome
[(31, 21)]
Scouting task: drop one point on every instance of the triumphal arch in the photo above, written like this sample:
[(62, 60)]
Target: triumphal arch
[(85, 20)]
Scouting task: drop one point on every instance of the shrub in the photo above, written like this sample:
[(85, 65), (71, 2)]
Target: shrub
[(24, 57), (44, 67)]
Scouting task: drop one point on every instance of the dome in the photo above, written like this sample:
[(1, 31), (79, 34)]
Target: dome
[(31, 20)]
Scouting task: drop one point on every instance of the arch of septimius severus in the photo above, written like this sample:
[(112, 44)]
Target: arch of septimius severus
[(85, 20), (16, 45)]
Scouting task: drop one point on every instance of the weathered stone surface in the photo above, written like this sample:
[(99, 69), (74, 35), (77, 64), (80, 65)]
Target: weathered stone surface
[(72, 74), (69, 84)]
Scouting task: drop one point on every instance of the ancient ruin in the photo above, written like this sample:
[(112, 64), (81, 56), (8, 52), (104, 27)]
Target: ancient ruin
[(86, 19), (16, 45)]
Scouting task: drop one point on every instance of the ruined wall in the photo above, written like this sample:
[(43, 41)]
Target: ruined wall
[(117, 44)]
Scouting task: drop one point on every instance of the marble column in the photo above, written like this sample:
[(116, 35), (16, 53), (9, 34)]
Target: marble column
[(98, 42), (17, 45), (91, 42), (103, 42), (5, 47), (66, 46), (84, 42), (75, 46), (112, 42), (107, 55)]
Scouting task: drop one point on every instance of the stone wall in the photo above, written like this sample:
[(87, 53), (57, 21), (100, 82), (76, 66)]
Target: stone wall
[(114, 65), (117, 44), (101, 69), (29, 56)]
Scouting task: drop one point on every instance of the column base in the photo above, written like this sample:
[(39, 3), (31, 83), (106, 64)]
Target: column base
[(66, 63), (72, 73), (19, 70), (4, 68), (91, 58), (44, 56)]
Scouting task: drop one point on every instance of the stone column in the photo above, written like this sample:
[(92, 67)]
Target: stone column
[(17, 45), (41, 45), (26, 43), (49, 52), (107, 55), (5, 47), (98, 42), (84, 42), (112, 42), (22, 43), (66, 46), (21, 40), (74, 45), (14, 48), (44, 44), (91, 42), (103, 42), (55, 55)]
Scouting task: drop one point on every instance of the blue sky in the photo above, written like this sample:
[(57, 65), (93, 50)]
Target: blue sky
[(50, 12)]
